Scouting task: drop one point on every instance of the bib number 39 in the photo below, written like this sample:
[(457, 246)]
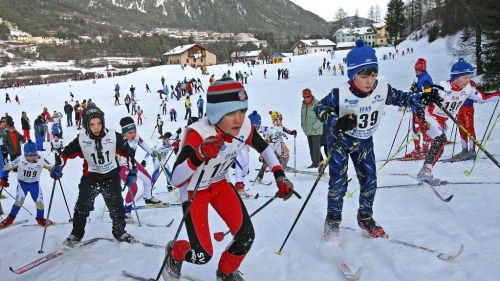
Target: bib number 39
[(367, 119)]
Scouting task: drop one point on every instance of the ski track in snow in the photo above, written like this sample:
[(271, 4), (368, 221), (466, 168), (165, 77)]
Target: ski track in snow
[(414, 215)]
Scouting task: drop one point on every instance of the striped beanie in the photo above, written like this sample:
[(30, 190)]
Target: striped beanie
[(127, 124), (223, 97)]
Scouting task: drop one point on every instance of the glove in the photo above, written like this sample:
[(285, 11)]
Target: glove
[(155, 154), (326, 115), (143, 163), (56, 172), (131, 176), (178, 132), (285, 188), (346, 122), (413, 87), (210, 147), (294, 133), (431, 97), (4, 182)]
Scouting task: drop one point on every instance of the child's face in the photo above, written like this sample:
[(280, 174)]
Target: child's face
[(231, 123), (462, 81), (31, 158), (95, 126), (365, 80), (166, 141), (130, 135)]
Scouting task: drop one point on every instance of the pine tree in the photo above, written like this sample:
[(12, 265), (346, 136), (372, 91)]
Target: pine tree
[(340, 16), (356, 19), (395, 21), (371, 13)]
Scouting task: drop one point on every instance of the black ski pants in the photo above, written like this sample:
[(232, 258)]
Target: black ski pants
[(111, 191)]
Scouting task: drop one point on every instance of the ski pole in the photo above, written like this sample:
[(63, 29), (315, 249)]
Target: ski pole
[(133, 204), (454, 141), (186, 213), (295, 155), (48, 216), (65, 201), (440, 105), (153, 132), (8, 193), (321, 171), (469, 172), (396, 134), (350, 194), (219, 236)]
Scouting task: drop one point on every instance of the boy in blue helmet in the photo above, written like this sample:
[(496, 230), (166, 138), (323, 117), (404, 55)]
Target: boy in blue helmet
[(454, 93), (353, 112), (29, 168)]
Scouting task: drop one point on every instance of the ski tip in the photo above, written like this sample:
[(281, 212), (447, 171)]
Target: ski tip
[(170, 223), (451, 258), (356, 275), (12, 269), (278, 253), (467, 173), (449, 198)]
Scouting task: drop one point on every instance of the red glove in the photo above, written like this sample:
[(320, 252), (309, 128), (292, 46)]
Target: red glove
[(4, 183), (210, 147), (285, 188)]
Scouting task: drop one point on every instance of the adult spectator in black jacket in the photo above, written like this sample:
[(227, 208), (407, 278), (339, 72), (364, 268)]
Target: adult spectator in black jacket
[(68, 109)]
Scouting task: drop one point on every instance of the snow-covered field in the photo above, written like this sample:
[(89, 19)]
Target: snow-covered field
[(413, 215)]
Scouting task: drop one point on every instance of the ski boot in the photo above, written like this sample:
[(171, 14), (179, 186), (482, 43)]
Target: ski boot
[(368, 224), (425, 175), (152, 200), (461, 156), (414, 155), (233, 276), (44, 222), (7, 221), (71, 241), (332, 227), (127, 237), (240, 187), (172, 270), (471, 155)]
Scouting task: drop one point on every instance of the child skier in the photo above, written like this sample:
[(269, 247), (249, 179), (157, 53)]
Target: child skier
[(353, 112), (99, 148), (129, 133), (207, 152), (424, 81), (453, 94), (29, 168), (56, 146), (160, 155)]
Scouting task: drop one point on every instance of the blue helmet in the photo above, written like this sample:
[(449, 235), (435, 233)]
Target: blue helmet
[(30, 149)]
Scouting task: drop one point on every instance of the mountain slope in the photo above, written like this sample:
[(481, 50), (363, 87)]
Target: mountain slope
[(218, 15)]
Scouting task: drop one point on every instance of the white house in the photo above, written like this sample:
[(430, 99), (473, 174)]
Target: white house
[(309, 46)]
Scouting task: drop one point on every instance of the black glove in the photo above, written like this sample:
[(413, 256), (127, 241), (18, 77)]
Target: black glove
[(431, 97), (143, 163), (178, 132), (325, 114), (346, 122), (294, 133)]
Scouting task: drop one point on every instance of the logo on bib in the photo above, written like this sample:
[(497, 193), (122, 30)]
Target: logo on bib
[(351, 102)]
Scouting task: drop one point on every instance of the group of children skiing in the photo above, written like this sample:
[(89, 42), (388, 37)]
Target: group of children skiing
[(208, 149)]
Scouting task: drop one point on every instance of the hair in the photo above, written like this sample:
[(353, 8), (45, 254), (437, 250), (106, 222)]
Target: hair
[(368, 71)]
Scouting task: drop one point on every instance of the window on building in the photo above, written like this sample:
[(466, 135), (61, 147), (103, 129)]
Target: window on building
[(201, 59), (187, 60)]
